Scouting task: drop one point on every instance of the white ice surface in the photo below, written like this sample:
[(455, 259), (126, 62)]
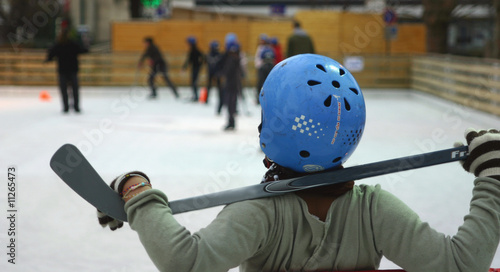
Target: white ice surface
[(182, 147)]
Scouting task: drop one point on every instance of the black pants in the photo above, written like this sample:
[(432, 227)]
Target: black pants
[(195, 71), (211, 78), (64, 79), (160, 67), (231, 100)]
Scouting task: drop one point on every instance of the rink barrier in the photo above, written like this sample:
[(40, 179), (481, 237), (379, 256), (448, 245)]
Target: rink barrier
[(472, 82), (119, 69), (96, 69)]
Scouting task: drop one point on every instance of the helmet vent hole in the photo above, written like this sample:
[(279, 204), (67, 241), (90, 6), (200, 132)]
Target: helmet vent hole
[(354, 90), (336, 84), (321, 67), (341, 72), (328, 101), (347, 105), (304, 154), (337, 159), (313, 82)]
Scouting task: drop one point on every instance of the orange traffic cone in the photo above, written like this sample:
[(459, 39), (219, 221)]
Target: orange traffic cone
[(44, 96), (203, 95)]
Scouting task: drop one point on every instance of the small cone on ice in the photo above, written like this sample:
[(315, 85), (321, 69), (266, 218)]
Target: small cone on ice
[(44, 96), (203, 95)]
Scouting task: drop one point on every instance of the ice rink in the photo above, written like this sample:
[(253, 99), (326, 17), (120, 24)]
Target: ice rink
[(184, 150)]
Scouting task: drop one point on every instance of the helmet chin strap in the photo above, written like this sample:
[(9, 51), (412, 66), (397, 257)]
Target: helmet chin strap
[(278, 172)]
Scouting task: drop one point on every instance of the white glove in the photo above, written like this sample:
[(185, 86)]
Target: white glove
[(117, 185), (484, 153)]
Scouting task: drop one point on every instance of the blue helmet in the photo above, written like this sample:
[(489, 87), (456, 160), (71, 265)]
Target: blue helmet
[(229, 39), (263, 37), (191, 40), (214, 45), (313, 113)]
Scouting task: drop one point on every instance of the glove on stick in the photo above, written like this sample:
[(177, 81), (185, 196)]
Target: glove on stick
[(484, 153)]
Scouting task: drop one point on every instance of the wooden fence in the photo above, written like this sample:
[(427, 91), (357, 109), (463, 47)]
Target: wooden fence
[(382, 71), (101, 69), (331, 31), (120, 69), (473, 82)]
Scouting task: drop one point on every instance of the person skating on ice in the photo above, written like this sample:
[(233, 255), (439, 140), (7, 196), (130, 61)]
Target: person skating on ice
[(213, 58), (278, 51), (313, 118), (158, 65), (194, 60), (268, 57), (299, 42), (232, 75)]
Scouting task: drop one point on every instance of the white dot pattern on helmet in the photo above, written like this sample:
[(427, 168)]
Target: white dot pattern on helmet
[(307, 126)]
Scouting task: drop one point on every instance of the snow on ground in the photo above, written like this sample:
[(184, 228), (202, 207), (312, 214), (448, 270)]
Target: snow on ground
[(184, 150)]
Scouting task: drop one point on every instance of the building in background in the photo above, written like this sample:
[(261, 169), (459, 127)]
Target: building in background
[(95, 16), (472, 28)]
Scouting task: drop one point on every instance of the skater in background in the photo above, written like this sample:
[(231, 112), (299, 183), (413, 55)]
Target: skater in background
[(278, 51), (213, 58), (231, 39), (268, 60), (339, 227), (157, 64), (299, 42), (231, 74), (194, 59), (263, 43), (66, 51)]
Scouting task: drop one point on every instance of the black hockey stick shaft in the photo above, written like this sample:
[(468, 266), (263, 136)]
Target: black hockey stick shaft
[(313, 180), (74, 169)]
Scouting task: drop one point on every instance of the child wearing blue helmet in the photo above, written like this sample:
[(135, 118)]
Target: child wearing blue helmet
[(313, 116)]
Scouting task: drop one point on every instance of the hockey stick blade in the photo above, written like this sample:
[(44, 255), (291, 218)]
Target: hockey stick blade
[(76, 172), (74, 169)]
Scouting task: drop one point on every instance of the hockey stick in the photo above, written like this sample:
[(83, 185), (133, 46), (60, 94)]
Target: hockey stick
[(72, 167)]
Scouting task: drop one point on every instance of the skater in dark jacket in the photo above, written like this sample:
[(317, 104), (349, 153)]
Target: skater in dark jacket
[(232, 74), (195, 59), (158, 64), (66, 51), (268, 58), (299, 42), (213, 58)]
